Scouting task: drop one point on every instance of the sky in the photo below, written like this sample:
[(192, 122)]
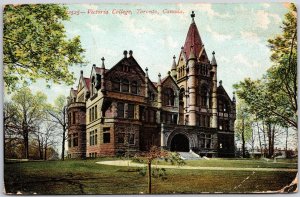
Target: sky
[(238, 34)]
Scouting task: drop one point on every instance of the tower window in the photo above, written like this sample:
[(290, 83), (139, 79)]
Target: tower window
[(116, 84), (169, 97), (130, 111)]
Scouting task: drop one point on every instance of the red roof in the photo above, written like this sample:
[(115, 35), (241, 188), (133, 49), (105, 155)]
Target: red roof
[(193, 39), (87, 81)]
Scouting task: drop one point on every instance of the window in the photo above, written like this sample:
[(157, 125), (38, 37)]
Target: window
[(134, 88), (106, 135), (75, 139), (116, 84), (130, 111), (69, 118), (222, 106), (174, 120), (204, 96), (169, 97), (131, 138), (125, 85), (96, 112), (74, 117), (121, 137), (224, 125), (90, 114), (93, 137), (205, 140), (120, 110)]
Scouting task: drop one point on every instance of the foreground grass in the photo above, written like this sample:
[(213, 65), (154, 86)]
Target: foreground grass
[(87, 177), (241, 163)]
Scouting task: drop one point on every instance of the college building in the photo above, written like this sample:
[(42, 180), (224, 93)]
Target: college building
[(120, 110)]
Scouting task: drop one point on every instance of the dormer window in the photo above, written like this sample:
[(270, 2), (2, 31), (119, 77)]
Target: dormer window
[(134, 87), (125, 85), (169, 97), (116, 84)]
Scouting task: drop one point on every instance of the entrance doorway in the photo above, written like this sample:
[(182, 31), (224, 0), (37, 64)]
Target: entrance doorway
[(180, 143)]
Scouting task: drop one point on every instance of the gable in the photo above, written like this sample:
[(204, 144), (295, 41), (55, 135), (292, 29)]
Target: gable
[(169, 82)]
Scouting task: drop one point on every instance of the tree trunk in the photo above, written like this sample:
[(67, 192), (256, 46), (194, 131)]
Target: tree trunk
[(26, 144), (286, 142), (243, 138), (264, 135), (271, 139), (149, 177), (63, 143), (45, 152)]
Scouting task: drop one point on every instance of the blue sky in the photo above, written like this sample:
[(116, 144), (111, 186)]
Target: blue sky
[(238, 33)]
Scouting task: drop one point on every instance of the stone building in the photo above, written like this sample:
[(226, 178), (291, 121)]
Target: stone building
[(120, 110)]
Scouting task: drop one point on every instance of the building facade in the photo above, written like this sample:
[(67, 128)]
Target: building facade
[(120, 110)]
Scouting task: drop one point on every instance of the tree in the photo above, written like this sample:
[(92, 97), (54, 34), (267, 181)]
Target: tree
[(243, 124), (35, 44), (58, 112), (30, 110), (157, 153)]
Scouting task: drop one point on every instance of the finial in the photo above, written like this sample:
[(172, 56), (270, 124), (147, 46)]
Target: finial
[(213, 60), (174, 57), (193, 16), (159, 75), (146, 74), (81, 72), (94, 65), (220, 83), (169, 72), (182, 48), (130, 53), (233, 97), (213, 53), (103, 66), (125, 54)]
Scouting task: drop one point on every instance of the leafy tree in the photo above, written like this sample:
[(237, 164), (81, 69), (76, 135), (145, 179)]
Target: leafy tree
[(29, 111), (243, 124), (36, 46), (58, 112)]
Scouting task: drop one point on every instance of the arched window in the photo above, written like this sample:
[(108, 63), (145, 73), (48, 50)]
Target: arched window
[(204, 95), (134, 87), (169, 97), (116, 84), (125, 85)]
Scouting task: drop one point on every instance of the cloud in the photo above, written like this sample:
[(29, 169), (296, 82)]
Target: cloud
[(250, 37), (132, 25), (218, 36), (244, 61), (169, 42), (95, 28), (263, 19), (266, 5)]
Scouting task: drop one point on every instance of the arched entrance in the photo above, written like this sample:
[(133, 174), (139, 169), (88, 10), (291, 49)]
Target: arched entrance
[(180, 143)]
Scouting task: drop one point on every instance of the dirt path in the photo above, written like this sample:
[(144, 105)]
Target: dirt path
[(131, 164)]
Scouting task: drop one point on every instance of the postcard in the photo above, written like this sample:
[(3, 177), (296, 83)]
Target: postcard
[(136, 98)]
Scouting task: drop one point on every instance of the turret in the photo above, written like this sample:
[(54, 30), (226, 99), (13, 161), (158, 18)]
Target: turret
[(191, 83), (173, 69), (214, 119), (102, 72), (146, 84), (159, 101)]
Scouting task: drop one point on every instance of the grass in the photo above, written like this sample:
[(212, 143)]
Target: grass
[(239, 163), (87, 177)]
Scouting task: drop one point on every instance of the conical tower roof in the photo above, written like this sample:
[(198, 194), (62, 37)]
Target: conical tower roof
[(193, 39)]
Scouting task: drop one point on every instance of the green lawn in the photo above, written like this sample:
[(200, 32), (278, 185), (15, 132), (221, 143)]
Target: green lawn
[(87, 177), (239, 163)]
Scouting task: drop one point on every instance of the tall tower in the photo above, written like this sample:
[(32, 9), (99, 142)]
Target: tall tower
[(191, 85), (214, 118)]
